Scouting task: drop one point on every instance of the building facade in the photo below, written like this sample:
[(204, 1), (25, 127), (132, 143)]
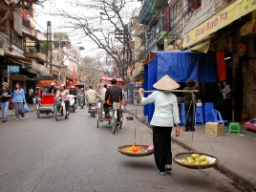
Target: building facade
[(225, 27)]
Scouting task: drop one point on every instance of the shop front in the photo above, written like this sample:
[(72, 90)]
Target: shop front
[(180, 66), (231, 35)]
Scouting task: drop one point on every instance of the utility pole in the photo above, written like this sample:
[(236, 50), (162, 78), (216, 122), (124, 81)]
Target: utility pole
[(48, 40)]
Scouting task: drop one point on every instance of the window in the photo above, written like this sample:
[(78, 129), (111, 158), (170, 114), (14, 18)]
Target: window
[(194, 5), (26, 23), (167, 18)]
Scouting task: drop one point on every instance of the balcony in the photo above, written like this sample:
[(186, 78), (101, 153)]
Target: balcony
[(206, 10), (158, 4), (33, 52), (146, 12), (26, 23), (17, 41), (157, 33)]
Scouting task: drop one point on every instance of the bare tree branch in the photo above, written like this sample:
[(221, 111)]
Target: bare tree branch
[(100, 29)]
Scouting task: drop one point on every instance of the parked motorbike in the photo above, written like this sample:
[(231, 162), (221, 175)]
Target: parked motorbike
[(93, 109), (60, 110), (72, 102)]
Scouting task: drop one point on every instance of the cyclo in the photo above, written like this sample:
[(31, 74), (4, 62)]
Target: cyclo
[(115, 110), (45, 105)]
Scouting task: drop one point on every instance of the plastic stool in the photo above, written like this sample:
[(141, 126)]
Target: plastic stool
[(199, 119), (208, 115), (235, 124)]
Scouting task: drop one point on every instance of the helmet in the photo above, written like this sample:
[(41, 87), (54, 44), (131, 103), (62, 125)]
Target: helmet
[(62, 85)]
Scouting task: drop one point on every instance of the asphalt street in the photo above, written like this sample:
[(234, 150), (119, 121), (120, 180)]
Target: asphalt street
[(43, 155)]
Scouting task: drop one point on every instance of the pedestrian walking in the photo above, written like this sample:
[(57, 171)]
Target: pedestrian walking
[(19, 100), (225, 108), (189, 105), (5, 95), (30, 96), (166, 114)]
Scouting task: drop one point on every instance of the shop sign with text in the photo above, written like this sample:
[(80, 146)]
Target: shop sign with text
[(232, 12)]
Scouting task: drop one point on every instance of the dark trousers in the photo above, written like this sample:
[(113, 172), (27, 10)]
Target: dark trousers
[(66, 104), (190, 117), (162, 146), (106, 106), (226, 109)]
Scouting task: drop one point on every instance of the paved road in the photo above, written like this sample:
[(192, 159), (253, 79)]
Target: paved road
[(42, 155)]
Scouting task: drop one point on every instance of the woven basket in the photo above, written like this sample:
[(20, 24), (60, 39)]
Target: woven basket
[(178, 157), (143, 151)]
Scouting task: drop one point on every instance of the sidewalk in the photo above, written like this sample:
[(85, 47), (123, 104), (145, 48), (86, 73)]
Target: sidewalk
[(11, 113), (236, 152)]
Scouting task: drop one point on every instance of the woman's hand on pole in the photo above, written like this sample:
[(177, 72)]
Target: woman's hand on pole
[(141, 91), (177, 131)]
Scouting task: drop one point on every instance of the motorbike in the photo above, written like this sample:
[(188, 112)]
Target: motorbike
[(82, 102), (60, 110), (93, 109), (72, 102)]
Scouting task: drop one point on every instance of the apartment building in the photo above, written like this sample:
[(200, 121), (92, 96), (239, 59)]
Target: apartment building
[(20, 45)]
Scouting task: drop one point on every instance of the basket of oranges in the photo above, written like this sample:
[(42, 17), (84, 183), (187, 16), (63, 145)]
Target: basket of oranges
[(135, 150)]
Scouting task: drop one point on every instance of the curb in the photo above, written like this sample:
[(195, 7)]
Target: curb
[(239, 182)]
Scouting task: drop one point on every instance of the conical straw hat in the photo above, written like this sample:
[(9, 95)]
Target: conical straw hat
[(166, 83)]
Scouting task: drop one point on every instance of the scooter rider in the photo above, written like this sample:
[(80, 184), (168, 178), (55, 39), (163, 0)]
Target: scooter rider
[(73, 92), (91, 97), (63, 93), (81, 95), (52, 89), (113, 94)]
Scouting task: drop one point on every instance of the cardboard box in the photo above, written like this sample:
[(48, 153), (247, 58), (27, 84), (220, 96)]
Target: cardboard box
[(215, 129)]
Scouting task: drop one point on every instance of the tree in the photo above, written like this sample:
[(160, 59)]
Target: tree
[(91, 68), (108, 30), (106, 65), (7, 7), (61, 36)]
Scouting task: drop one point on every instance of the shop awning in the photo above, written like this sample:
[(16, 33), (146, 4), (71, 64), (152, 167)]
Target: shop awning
[(19, 58), (223, 18), (202, 47)]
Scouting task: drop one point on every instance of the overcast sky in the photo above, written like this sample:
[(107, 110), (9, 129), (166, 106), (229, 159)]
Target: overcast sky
[(50, 6)]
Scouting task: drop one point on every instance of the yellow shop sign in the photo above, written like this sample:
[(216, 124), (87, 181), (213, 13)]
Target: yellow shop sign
[(231, 13)]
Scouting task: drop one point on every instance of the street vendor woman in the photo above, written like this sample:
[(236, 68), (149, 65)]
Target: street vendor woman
[(166, 114)]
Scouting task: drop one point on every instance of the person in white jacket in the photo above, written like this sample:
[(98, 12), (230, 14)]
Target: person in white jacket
[(166, 114), (91, 97)]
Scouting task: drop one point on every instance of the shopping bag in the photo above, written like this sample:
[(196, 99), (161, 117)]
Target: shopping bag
[(25, 109), (125, 103)]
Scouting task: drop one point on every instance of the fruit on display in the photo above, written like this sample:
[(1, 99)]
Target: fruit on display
[(196, 159), (134, 149)]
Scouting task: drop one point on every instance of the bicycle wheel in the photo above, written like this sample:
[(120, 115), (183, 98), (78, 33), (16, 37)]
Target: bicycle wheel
[(57, 115), (113, 127)]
